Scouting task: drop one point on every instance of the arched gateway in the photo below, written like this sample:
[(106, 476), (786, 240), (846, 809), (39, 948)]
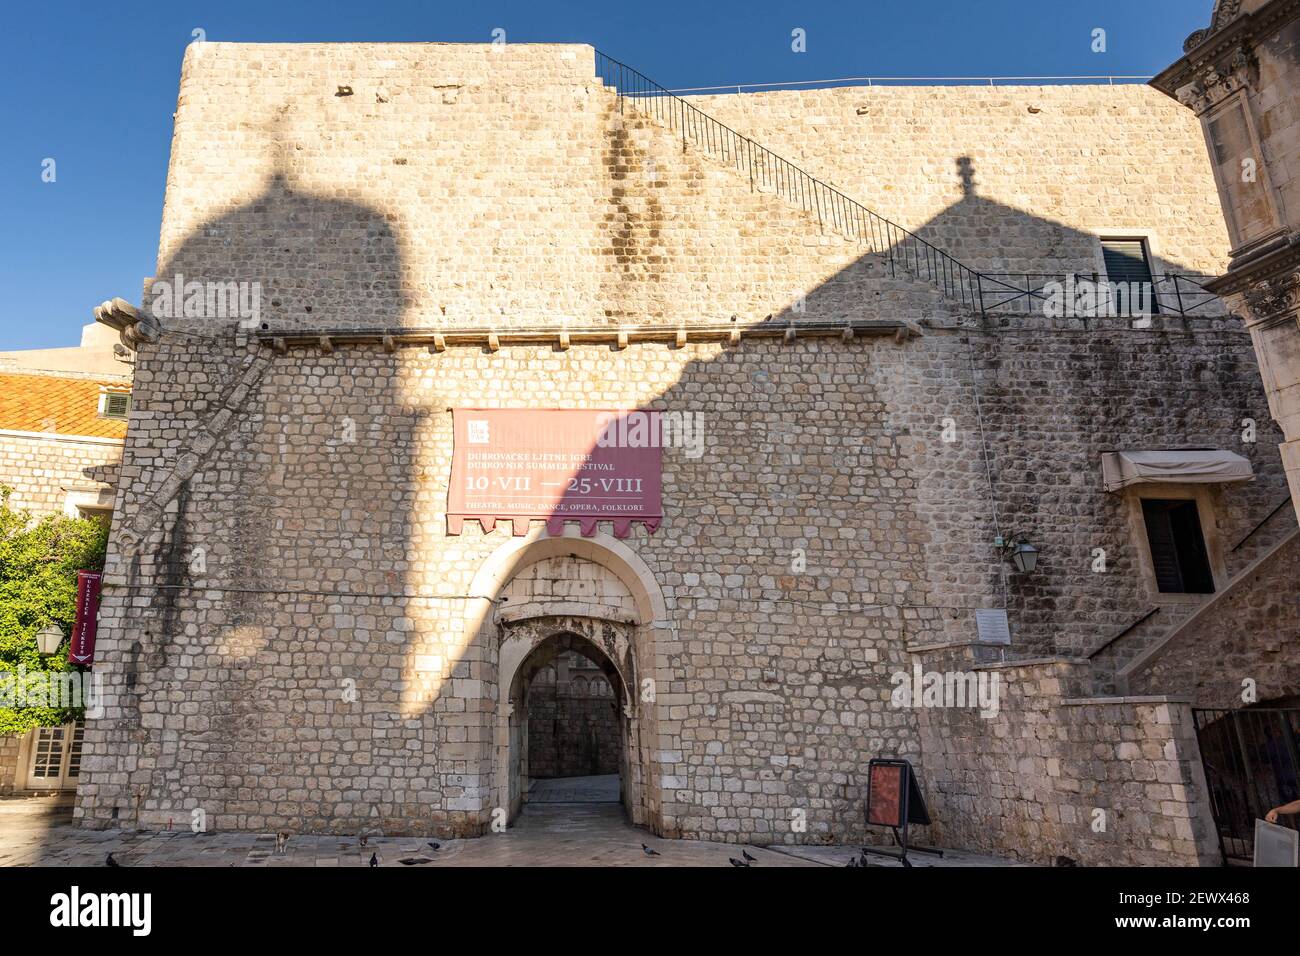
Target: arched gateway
[(540, 595)]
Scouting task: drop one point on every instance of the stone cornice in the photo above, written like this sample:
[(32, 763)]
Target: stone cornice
[(438, 340), (1216, 83), (1266, 268), (1268, 287), (1205, 50)]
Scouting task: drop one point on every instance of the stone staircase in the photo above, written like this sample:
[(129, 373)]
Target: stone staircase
[(901, 251), (1125, 645), (1112, 659)]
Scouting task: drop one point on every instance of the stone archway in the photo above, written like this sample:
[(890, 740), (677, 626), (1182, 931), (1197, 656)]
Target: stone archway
[(598, 589), (535, 644)]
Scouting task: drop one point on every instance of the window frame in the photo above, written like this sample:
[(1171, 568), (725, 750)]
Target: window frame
[(72, 749), (104, 394), (1148, 256), (1206, 511)]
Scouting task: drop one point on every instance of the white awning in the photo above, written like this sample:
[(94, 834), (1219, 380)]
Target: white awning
[(1119, 469)]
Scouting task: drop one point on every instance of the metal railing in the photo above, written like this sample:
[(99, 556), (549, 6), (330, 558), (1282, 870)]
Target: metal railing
[(1091, 79), (1263, 521), (768, 171), (1062, 294), (1141, 620)]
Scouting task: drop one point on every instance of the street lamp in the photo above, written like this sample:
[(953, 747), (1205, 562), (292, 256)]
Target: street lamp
[(49, 639)]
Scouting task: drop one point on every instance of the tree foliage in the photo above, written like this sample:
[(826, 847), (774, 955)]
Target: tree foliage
[(39, 561)]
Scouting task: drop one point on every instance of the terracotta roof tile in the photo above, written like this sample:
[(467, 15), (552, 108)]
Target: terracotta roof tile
[(67, 406)]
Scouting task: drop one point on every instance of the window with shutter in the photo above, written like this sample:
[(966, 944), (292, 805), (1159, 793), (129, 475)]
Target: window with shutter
[(1127, 263), (1178, 554), (116, 405)]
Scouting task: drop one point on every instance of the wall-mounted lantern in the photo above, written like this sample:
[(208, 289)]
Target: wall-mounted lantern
[(1022, 555), (49, 639), (1025, 557)]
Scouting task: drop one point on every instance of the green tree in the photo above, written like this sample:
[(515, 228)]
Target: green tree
[(39, 561)]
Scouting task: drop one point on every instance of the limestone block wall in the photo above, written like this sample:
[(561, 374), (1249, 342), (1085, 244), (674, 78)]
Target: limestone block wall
[(284, 639), (821, 451), (1006, 178), (41, 471), (510, 150), (302, 589), (1046, 402), (1103, 781), (8, 763), (1249, 634), (1274, 105)]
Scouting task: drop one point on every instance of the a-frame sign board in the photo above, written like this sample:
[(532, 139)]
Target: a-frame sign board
[(894, 800)]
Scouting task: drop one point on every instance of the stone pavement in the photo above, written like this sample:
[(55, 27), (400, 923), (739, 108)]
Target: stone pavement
[(602, 789), (39, 832)]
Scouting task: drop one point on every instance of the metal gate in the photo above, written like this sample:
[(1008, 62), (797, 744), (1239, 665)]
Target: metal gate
[(1252, 764)]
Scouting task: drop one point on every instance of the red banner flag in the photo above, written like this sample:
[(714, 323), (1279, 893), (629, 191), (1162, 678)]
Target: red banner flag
[(555, 464), (82, 648)]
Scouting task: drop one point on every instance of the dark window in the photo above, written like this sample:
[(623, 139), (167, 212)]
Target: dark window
[(1178, 553), (1127, 263)]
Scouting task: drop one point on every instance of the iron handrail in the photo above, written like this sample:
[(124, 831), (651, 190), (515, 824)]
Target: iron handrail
[(1141, 620), (765, 168), (1263, 521), (1083, 79), (1174, 293)]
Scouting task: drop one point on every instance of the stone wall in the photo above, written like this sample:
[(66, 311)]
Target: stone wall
[(9, 763), (41, 471), (1047, 402), (315, 670), (1103, 781), (843, 525), (1248, 635), (1006, 178)]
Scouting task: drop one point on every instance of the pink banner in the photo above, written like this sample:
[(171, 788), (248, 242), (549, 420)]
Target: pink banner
[(82, 648), (555, 464)]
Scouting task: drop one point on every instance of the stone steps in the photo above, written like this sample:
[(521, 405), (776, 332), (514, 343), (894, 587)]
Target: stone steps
[(831, 211)]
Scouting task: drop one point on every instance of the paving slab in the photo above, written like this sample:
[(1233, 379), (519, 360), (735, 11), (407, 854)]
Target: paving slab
[(589, 830)]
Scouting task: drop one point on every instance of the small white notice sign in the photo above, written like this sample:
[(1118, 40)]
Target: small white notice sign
[(428, 663), (992, 626), (1275, 845)]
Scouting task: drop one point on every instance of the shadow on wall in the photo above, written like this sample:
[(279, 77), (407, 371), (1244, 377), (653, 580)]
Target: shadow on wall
[(1032, 413), (279, 542), (311, 577)]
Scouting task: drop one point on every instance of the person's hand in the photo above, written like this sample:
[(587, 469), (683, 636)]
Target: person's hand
[(1271, 816)]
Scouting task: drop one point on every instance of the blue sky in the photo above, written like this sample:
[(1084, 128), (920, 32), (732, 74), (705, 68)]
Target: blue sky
[(93, 87)]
